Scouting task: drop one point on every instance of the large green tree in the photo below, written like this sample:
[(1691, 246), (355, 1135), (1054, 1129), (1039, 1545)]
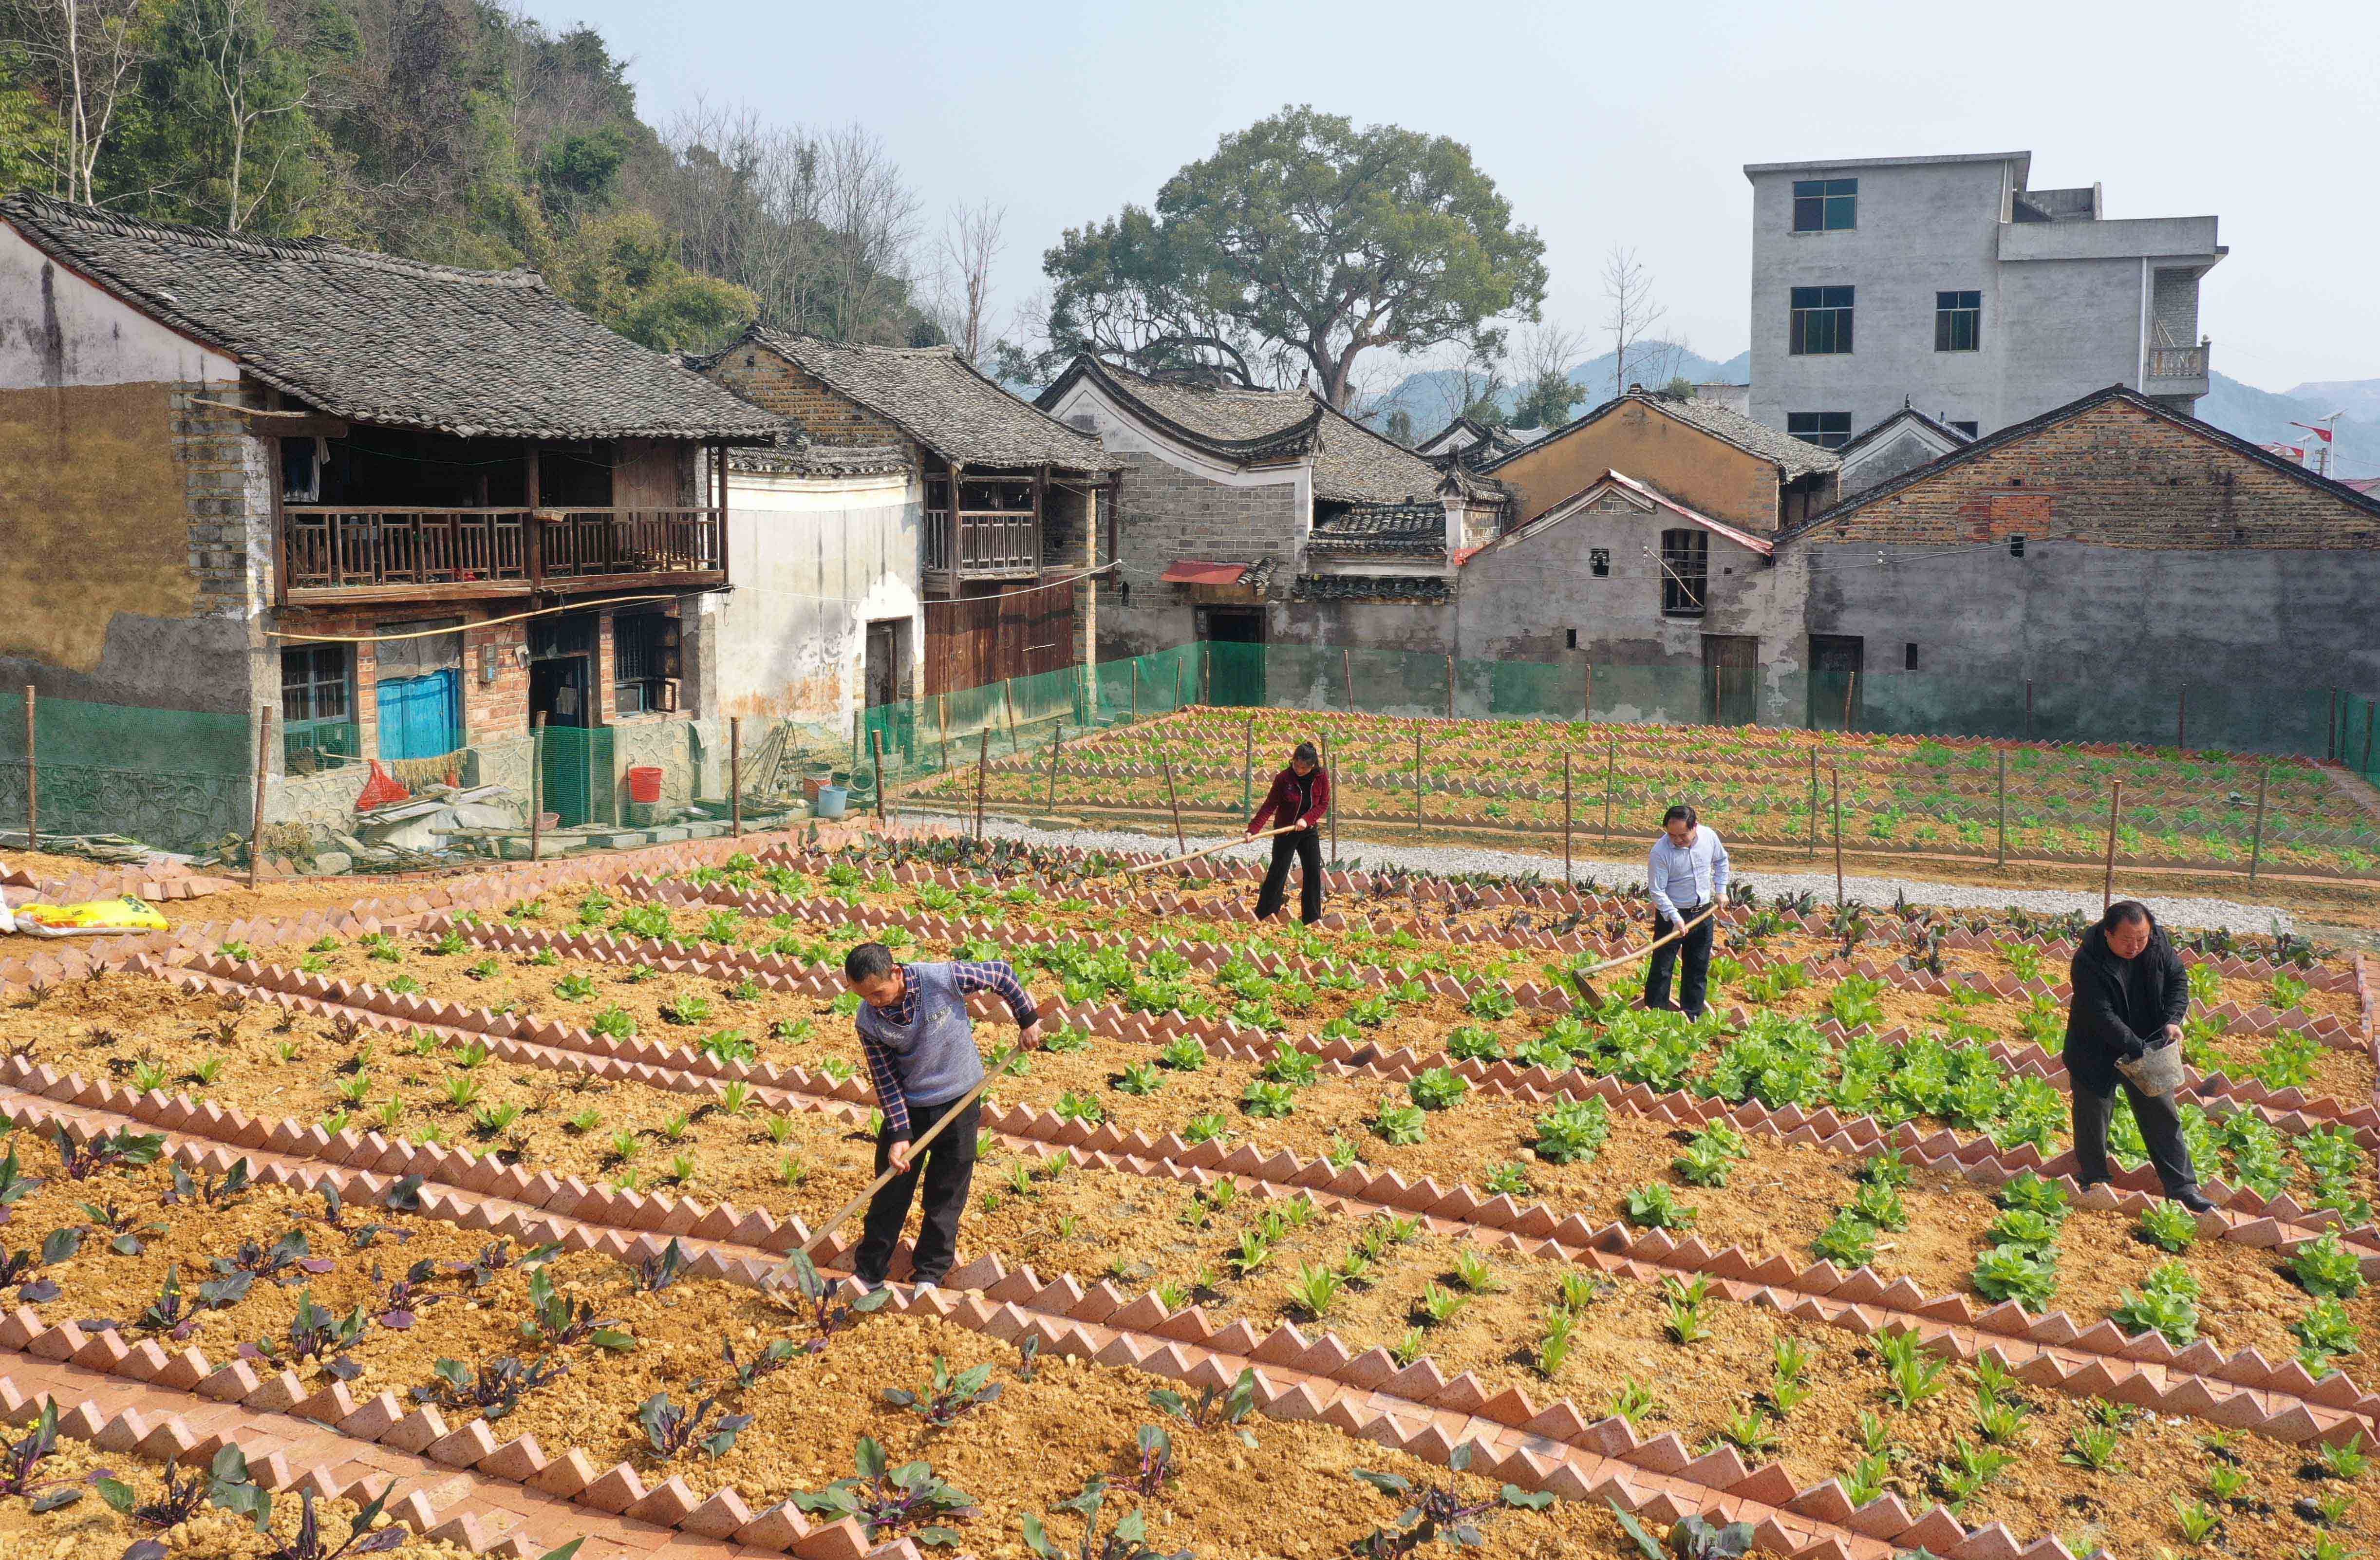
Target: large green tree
[(1304, 242)]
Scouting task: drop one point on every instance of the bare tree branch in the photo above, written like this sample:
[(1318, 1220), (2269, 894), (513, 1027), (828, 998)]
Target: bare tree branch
[(1630, 310)]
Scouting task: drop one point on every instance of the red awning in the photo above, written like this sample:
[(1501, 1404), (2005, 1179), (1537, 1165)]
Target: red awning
[(1190, 571)]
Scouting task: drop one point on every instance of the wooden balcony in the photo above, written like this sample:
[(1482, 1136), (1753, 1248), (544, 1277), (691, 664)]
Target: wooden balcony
[(334, 552), (989, 544)]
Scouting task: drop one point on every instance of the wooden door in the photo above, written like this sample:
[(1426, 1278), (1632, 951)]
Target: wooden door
[(1731, 680)]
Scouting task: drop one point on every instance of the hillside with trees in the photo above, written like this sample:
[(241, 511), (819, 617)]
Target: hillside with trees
[(457, 131)]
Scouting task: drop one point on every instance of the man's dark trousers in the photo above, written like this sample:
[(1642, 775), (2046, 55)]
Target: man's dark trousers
[(1305, 845), (1691, 984), (949, 1166), (2160, 1125)]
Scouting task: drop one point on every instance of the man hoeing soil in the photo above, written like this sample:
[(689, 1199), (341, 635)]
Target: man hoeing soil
[(919, 1043), (1685, 874), (2130, 994)]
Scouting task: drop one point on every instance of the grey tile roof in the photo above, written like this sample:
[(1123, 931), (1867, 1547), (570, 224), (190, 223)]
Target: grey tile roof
[(1413, 588), (939, 400), (1352, 464), (1794, 456), (378, 339), (1384, 531), (795, 455)]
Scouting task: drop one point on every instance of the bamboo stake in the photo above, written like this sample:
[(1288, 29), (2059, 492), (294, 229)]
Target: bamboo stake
[(1008, 697), (1333, 813), (1814, 801), (1174, 798), (1135, 690), (1417, 774), (1057, 740), (2003, 796), (1587, 709), (2115, 810), (1248, 766), (942, 726), (1566, 818), (735, 775), (2256, 849), (256, 819), (32, 780), (1347, 675), (1850, 689), (536, 782), (1610, 768), (1835, 777), (875, 746), (982, 772), (1449, 687)]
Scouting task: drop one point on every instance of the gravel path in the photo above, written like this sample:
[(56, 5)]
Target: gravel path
[(2225, 914)]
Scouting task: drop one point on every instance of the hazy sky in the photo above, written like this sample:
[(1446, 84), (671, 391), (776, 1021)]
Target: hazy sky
[(1604, 124)]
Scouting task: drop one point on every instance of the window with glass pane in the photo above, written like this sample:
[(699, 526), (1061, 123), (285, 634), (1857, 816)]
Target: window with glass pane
[(317, 704), (1825, 206), (1827, 430), (1958, 321), (1686, 572), (1822, 320), (643, 657)]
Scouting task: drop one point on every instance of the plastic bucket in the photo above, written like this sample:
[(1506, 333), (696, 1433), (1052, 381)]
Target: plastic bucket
[(830, 800), (644, 783), (2157, 1073)]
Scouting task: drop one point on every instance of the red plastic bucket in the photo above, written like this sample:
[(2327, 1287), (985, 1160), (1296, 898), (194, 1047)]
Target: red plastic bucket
[(644, 783)]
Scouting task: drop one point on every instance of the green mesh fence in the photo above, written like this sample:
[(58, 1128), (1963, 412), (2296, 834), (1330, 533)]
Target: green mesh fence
[(173, 778)]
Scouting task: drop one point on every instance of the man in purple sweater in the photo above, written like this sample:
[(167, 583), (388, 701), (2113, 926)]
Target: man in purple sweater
[(919, 1043)]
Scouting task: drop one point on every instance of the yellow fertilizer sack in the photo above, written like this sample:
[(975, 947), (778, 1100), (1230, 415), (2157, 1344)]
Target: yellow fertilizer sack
[(92, 917)]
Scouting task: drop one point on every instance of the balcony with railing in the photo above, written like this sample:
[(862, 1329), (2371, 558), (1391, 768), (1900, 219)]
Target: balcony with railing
[(336, 553), (986, 545), (2177, 371)]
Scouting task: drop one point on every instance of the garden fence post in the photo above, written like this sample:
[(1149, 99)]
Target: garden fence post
[(1850, 689), (536, 787), (736, 776), (2003, 799), (2256, 846), (1449, 687), (256, 819), (1587, 705), (1565, 818), (982, 772), (1057, 740), (1008, 697), (1177, 682), (1347, 675), (1416, 774), (2182, 722), (1835, 777), (1180, 845), (942, 726), (1610, 769), (1248, 766), (1207, 673), (32, 780), (1814, 801), (876, 747), (1333, 813), (1135, 690), (2115, 810)]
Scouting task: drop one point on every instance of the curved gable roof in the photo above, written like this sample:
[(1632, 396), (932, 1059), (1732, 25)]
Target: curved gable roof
[(375, 339)]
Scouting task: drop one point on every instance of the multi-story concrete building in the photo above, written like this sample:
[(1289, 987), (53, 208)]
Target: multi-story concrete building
[(1947, 284)]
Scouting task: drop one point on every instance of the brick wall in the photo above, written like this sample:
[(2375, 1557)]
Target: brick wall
[(1165, 513), (2117, 475), (769, 379)]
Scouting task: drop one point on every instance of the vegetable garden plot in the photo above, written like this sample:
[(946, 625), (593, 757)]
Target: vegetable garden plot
[(1756, 785), (1888, 1421)]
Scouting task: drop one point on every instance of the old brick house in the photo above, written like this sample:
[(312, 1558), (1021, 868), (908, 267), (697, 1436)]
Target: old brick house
[(1697, 452), (217, 445), (2106, 552), (1001, 572), (1268, 515)]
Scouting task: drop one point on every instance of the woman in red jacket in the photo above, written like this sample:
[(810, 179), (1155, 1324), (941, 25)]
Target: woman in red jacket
[(1299, 798)]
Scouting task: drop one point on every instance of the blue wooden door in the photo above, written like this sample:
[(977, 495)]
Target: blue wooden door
[(421, 717)]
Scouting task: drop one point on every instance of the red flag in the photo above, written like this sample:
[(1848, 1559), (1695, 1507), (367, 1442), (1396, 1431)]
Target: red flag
[(2322, 434)]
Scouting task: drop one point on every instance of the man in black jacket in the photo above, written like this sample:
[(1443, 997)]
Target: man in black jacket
[(2129, 994)]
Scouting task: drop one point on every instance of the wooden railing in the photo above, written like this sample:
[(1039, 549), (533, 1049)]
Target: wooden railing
[(2178, 362), (334, 548), (991, 543)]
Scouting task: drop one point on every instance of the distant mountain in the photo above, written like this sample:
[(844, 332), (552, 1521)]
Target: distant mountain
[(1433, 398), (2265, 416)]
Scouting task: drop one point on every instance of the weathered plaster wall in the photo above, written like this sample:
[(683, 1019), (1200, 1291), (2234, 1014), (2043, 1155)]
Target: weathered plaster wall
[(815, 560), (1692, 466)]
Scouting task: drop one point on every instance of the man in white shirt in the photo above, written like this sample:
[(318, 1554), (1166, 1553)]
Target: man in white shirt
[(1686, 875)]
